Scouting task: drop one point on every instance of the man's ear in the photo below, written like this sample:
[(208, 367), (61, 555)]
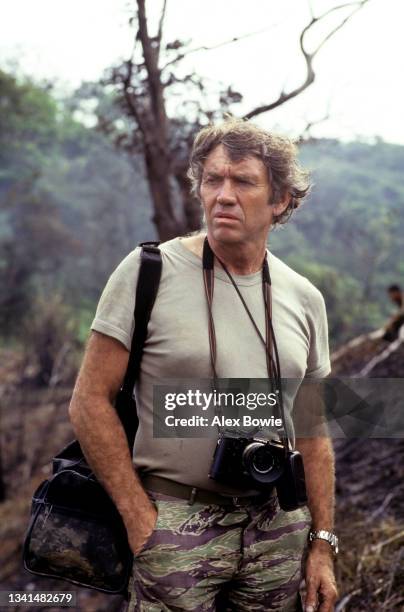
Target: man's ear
[(281, 206)]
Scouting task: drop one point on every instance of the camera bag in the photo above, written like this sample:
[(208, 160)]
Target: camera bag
[(75, 531)]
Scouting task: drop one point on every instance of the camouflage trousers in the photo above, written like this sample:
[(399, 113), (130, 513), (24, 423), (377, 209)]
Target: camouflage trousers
[(199, 556)]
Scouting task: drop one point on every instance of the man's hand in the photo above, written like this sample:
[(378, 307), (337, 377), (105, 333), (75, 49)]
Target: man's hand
[(140, 528), (320, 580)]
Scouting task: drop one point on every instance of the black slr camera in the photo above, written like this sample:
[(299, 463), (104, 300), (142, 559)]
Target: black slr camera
[(253, 463)]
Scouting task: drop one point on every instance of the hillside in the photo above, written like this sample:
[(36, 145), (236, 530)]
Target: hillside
[(27, 447), (347, 238), (370, 492)]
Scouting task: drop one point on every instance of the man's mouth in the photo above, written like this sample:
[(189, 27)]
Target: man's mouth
[(222, 215)]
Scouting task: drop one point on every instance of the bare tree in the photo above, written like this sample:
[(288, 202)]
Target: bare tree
[(142, 86)]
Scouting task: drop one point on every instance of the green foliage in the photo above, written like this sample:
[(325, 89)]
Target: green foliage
[(352, 227), (71, 207), (33, 246), (28, 128)]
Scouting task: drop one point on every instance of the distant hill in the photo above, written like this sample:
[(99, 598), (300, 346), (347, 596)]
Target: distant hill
[(347, 238), (72, 206)]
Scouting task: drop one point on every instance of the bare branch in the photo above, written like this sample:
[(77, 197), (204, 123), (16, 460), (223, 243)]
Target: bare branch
[(130, 100), (181, 56), (383, 505), (341, 605), (150, 54), (376, 548), (308, 57), (338, 27), (129, 96), (161, 22), (310, 9), (393, 573), (305, 135), (145, 38), (333, 9)]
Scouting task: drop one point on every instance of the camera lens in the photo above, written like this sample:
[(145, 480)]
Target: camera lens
[(262, 460)]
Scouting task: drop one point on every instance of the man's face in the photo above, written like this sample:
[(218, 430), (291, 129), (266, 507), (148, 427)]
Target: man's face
[(235, 196), (396, 297)]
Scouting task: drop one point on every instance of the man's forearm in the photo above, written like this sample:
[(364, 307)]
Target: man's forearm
[(103, 438), (318, 458), (105, 446)]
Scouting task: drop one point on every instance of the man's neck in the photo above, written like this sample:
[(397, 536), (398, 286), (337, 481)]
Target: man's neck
[(239, 259)]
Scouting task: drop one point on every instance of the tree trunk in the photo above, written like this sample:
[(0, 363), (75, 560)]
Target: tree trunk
[(158, 176), (191, 207)]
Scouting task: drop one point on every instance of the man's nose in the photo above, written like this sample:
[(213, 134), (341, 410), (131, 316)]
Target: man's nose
[(226, 193)]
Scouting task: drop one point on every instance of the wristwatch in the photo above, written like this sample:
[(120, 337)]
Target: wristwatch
[(328, 536)]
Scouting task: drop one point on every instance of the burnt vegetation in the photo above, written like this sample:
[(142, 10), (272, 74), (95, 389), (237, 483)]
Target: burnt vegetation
[(76, 199)]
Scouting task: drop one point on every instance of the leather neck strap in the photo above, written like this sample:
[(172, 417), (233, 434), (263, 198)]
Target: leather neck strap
[(271, 350)]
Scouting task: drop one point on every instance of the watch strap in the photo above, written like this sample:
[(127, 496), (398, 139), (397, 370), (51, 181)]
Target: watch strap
[(328, 536)]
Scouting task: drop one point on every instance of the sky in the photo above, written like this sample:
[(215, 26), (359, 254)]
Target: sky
[(359, 72)]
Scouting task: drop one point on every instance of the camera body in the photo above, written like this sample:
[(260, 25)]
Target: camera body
[(254, 463)]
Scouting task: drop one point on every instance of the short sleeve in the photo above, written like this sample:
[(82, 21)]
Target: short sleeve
[(115, 310), (318, 360)]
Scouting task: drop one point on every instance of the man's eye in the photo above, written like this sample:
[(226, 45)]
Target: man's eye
[(211, 180)]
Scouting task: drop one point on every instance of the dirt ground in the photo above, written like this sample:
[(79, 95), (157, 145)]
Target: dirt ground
[(370, 503)]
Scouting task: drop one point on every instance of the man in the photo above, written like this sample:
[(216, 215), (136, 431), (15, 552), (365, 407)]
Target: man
[(392, 327), (207, 537), (396, 295)]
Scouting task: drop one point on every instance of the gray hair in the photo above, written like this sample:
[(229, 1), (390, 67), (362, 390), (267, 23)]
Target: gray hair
[(243, 139)]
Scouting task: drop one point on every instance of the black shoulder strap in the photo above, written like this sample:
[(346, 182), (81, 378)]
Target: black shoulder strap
[(146, 291)]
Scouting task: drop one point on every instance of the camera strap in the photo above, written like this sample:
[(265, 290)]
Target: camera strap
[(269, 343)]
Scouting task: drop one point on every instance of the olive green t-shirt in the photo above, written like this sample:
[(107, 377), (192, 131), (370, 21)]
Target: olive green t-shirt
[(177, 344)]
